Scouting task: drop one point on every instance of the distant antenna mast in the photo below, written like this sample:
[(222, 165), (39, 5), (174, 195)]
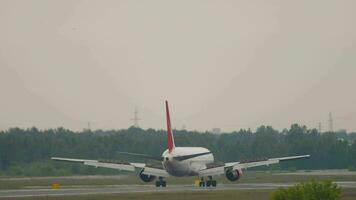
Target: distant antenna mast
[(135, 119), (331, 128)]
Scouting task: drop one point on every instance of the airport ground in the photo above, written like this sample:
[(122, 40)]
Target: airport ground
[(253, 185), (130, 179), (248, 194)]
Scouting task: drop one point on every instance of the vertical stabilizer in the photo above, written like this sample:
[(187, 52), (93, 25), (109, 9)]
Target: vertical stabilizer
[(170, 139)]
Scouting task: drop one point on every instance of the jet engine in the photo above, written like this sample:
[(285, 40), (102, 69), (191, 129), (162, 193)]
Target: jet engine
[(233, 175), (146, 178)]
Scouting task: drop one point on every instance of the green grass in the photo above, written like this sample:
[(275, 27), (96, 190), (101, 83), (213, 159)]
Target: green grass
[(347, 194)]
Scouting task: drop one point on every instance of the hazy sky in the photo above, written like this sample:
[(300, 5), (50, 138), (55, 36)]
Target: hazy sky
[(227, 64)]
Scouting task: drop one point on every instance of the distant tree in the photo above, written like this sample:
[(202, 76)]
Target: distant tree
[(352, 155), (21, 147)]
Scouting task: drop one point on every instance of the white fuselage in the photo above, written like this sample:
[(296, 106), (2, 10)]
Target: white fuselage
[(187, 166)]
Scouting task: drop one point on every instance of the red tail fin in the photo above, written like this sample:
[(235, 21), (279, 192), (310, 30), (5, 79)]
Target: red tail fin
[(170, 141)]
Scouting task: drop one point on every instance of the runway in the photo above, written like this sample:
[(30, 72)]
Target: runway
[(115, 189)]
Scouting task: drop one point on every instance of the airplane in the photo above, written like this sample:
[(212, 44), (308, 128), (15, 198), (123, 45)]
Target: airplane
[(182, 161)]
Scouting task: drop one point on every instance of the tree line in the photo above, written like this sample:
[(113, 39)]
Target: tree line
[(26, 152)]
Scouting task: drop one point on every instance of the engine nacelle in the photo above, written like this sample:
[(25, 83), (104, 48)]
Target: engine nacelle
[(233, 175), (146, 178)]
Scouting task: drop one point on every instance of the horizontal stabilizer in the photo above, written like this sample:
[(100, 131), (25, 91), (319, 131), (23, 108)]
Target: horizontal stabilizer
[(139, 155)]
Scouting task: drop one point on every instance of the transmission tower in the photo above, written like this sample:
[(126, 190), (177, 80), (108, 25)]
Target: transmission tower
[(331, 126), (135, 119)]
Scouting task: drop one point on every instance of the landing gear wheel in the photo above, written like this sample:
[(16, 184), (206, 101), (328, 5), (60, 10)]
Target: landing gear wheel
[(208, 183), (213, 183), (201, 184), (161, 182)]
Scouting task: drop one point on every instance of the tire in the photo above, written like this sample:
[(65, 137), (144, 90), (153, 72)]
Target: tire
[(164, 183), (213, 183), (208, 183), (158, 183)]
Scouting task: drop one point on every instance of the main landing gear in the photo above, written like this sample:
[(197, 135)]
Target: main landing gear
[(209, 183), (161, 182)]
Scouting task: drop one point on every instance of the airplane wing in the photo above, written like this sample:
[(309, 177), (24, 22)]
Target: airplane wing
[(125, 166), (213, 171)]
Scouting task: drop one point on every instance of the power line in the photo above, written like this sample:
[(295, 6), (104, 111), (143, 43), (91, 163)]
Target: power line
[(136, 118), (331, 125)]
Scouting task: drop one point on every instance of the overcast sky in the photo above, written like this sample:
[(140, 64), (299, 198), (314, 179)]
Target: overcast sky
[(226, 64)]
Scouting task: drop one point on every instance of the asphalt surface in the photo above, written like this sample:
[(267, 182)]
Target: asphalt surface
[(330, 172), (143, 188)]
